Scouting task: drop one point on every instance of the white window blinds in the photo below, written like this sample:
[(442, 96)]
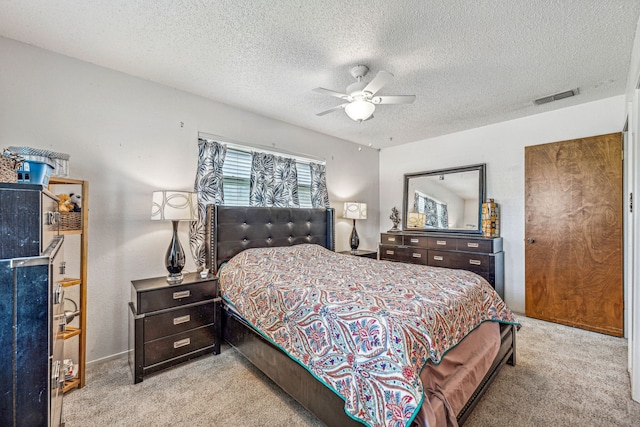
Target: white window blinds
[(236, 172)]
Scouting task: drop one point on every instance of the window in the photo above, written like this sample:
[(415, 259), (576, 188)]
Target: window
[(236, 176), (304, 184), (236, 172)]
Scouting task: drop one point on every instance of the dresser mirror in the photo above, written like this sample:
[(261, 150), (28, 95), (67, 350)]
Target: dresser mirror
[(445, 200)]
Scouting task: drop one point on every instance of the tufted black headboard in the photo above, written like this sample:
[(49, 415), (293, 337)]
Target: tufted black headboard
[(232, 229)]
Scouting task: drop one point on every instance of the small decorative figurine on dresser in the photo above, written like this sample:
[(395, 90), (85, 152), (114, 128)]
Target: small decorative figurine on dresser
[(395, 218)]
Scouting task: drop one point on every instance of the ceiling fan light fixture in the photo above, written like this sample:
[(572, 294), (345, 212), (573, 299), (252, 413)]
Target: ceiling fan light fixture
[(359, 110)]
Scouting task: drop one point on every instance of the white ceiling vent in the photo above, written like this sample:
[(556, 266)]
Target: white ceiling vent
[(556, 97)]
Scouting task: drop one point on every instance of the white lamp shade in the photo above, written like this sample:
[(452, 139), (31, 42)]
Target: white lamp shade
[(360, 110), (174, 205), (354, 210)]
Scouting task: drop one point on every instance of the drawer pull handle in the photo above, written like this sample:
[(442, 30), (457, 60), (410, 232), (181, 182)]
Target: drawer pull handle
[(437, 258), (181, 319), (472, 245), (391, 239), (475, 262), (390, 252), (441, 242), (415, 240), (416, 255), (181, 343), (181, 294)]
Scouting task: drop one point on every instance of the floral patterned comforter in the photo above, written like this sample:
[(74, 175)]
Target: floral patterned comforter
[(365, 328)]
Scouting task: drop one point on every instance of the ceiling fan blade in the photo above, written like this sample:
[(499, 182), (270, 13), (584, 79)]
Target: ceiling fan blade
[(331, 93), (339, 107), (381, 79), (393, 99)]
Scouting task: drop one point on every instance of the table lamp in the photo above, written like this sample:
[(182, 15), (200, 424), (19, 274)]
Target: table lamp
[(174, 206), (416, 220), (354, 210)]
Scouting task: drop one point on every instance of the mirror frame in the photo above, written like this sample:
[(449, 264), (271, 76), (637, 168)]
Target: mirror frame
[(481, 168)]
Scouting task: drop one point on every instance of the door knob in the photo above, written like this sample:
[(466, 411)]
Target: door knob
[(530, 240)]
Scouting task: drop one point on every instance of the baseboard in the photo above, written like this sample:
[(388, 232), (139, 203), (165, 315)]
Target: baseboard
[(108, 358)]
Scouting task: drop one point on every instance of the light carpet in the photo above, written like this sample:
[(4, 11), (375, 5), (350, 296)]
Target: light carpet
[(564, 377)]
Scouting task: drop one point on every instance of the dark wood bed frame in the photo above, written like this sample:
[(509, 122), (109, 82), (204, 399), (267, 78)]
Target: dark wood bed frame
[(230, 230)]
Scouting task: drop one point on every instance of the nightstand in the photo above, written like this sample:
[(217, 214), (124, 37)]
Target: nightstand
[(172, 323), (361, 252)]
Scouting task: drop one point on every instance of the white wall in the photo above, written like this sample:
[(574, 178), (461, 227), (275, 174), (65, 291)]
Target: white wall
[(501, 147), (125, 136), (632, 242)]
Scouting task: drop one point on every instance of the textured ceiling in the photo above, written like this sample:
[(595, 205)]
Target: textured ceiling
[(469, 63)]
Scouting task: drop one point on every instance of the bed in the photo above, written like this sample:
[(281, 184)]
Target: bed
[(231, 230)]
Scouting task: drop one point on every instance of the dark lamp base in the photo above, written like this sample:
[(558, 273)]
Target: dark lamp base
[(355, 240), (175, 278), (174, 259)]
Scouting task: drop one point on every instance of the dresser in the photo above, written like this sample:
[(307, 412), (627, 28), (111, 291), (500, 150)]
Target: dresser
[(481, 255), (172, 323)]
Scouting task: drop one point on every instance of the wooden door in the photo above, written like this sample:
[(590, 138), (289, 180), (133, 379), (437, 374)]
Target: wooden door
[(573, 232)]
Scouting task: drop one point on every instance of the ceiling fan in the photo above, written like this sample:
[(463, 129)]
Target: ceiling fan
[(361, 96)]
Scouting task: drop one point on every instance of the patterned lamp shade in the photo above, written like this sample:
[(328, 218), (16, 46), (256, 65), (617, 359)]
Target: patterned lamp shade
[(174, 206), (354, 210)]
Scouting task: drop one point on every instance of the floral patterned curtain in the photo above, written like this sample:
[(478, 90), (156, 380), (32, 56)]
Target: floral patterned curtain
[(437, 213), (431, 210), (208, 187), (319, 195), (444, 216), (274, 181)]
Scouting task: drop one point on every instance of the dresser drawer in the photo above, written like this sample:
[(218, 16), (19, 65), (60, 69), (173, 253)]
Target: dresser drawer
[(178, 320), (444, 243), (460, 260), (163, 349), (417, 256), (391, 239), (404, 254), (176, 295), (478, 263), (475, 245), (421, 241), (393, 253)]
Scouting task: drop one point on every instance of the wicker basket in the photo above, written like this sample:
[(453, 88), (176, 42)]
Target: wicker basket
[(9, 165), (7, 172), (70, 221)]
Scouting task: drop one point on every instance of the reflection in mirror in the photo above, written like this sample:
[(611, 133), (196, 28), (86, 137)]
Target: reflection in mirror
[(446, 200)]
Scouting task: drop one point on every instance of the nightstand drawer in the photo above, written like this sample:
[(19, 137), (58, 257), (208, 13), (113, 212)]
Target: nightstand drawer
[(178, 320), (176, 295), (180, 344)]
